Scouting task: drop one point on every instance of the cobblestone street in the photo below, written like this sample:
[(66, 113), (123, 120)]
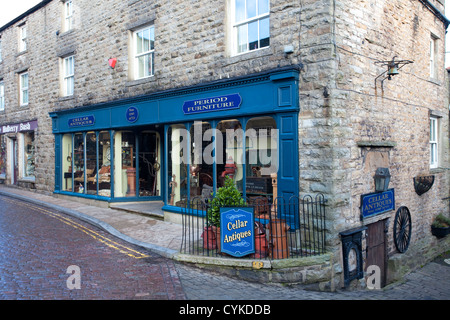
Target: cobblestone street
[(37, 245)]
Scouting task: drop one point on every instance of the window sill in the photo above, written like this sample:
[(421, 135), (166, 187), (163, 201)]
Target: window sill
[(137, 82), (437, 170), (21, 53), (251, 54), (66, 98)]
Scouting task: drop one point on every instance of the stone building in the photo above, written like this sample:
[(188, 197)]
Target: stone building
[(95, 97)]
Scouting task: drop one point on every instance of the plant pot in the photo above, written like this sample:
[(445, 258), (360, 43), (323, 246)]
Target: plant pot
[(440, 232), (279, 248), (261, 246), (217, 232), (209, 238)]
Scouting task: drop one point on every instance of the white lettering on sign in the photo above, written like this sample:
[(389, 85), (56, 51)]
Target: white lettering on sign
[(14, 128)]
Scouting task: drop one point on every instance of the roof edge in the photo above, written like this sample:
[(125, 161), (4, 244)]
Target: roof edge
[(26, 13)]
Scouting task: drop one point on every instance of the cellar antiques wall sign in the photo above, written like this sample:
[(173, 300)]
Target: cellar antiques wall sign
[(237, 231), (376, 203)]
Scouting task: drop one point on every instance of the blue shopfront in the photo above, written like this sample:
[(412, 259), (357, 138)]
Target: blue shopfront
[(179, 144)]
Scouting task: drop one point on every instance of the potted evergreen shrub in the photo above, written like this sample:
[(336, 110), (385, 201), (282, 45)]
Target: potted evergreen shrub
[(440, 226), (226, 196)]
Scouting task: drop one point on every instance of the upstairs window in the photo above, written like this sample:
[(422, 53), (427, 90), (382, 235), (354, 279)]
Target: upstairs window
[(433, 57), (2, 96), (23, 38), (144, 52), (1, 50), (68, 75), (434, 146), (68, 15), (23, 88), (251, 25)]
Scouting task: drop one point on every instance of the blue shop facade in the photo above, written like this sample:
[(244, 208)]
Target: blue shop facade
[(174, 145)]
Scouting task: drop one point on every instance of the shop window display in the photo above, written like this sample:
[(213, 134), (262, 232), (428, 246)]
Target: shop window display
[(261, 156), (201, 160), (177, 166), (149, 165), (2, 156), (29, 155), (78, 163), (67, 153), (230, 152), (125, 164), (103, 175)]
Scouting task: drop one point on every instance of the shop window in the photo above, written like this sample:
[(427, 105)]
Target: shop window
[(91, 162), (261, 156), (78, 163), (201, 160), (149, 164), (124, 164), (28, 155), (103, 174), (177, 136), (229, 152), (67, 162), (2, 156)]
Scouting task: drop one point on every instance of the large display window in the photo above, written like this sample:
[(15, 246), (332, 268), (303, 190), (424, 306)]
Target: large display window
[(90, 158), (248, 155), (177, 141), (125, 164)]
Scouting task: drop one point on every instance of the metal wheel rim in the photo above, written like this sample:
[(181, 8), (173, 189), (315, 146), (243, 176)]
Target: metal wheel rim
[(402, 229)]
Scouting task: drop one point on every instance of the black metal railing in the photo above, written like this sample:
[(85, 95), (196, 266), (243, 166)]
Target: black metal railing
[(283, 229)]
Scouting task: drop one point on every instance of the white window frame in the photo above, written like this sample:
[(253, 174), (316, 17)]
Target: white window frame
[(150, 53), (245, 22), (2, 95), (68, 15), (434, 142), (24, 88), (23, 38), (1, 59), (433, 56), (68, 75)]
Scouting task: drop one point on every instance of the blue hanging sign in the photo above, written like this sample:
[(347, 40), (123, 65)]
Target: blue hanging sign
[(228, 102), (132, 114), (81, 121), (376, 203), (237, 231)]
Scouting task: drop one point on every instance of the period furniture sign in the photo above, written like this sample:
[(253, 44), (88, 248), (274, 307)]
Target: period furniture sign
[(237, 231), (376, 203), (231, 101)]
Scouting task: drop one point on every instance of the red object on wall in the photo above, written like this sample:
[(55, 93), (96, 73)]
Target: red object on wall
[(112, 62)]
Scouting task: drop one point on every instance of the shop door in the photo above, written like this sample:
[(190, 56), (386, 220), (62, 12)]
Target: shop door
[(149, 164), (376, 248)]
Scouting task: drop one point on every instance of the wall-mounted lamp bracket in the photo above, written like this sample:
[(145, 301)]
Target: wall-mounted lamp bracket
[(393, 66)]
